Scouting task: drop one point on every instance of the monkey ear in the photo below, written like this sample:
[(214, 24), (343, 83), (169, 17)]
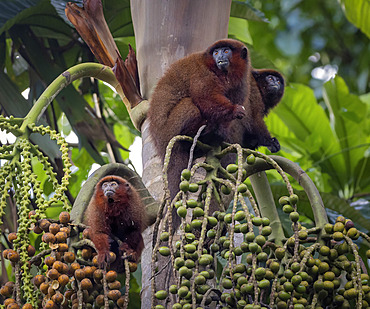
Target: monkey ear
[(244, 53), (255, 74)]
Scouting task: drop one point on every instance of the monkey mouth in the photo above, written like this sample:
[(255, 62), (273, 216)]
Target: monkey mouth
[(223, 64)]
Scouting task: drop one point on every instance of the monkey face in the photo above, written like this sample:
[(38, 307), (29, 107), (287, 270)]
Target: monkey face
[(109, 188), (273, 82), (114, 190), (222, 57)]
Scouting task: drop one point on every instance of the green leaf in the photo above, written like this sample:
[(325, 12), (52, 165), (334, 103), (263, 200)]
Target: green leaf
[(15, 104), (366, 99), (342, 207), (120, 23), (116, 12), (48, 187), (347, 119), (258, 60), (124, 137), (2, 51), (358, 12), (238, 29), (122, 44), (31, 12), (134, 293), (38, 169), (60, 6), (83, 162), (54, 210), (80, 116), (308, 122), (64, 124), (10, 9), (362, 171), (246, 11)]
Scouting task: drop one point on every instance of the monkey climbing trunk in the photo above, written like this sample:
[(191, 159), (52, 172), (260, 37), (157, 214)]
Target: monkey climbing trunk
[(166, 31)]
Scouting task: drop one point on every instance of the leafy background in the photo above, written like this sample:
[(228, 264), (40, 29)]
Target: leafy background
[(322, 123)]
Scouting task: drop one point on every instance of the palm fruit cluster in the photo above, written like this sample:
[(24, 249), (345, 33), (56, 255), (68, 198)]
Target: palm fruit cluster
[(49, 270), (64, 276), (228, 259), (22, 189)]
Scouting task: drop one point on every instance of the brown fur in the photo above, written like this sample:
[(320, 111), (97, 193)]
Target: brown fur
[(194, 92), (251, 131), (120, 215), (271, 96)]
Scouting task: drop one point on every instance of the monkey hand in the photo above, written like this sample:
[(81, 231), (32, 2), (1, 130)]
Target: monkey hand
[(274, 145), (239, 112), (103, 259), (126, 251)]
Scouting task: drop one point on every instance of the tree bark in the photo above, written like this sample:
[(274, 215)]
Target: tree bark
[(166, 31)]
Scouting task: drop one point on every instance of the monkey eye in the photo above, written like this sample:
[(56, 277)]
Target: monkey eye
[(111, 183), (226, 51)]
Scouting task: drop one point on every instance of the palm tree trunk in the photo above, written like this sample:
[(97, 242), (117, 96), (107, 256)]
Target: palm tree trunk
[(166, 31)]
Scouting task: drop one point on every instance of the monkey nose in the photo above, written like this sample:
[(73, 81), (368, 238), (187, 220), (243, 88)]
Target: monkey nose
[(109, 193)]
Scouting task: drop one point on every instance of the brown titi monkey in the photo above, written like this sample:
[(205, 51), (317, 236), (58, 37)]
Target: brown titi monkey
[(116, 211), (266, 91), (271, 86), (209, 88), (219, 88)]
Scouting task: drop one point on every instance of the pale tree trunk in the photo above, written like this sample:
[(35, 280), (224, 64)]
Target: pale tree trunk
[(166, 31)]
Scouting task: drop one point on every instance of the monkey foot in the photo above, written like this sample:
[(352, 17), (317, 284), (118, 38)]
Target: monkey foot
[(274, 145)]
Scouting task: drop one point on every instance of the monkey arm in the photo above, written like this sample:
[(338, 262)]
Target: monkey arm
[(213, 103), (132, 245), (259, 135), (101, 242), (219, 108), (185, 118), (99, 229)]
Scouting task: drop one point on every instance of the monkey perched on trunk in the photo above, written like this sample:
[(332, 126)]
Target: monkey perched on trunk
[(218, 88), (266, 90), (204, 88), (116, 211)]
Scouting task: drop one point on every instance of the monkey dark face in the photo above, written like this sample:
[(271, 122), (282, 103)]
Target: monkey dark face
[(222, 57), (273, 82), (274, 87)]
